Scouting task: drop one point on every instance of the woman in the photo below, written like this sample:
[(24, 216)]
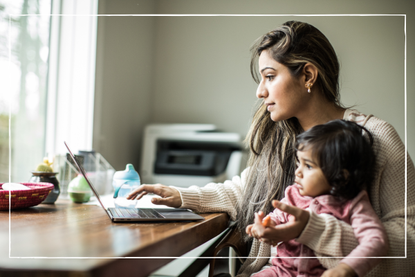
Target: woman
[(298, 83)]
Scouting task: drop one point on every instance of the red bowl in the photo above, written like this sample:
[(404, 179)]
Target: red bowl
[(24, 198)]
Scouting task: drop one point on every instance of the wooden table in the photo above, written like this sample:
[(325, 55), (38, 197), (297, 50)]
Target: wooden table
[(67, 239)]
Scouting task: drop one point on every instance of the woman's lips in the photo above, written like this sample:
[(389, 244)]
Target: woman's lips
[(269, 106)]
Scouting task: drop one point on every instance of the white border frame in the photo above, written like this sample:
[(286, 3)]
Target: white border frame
[(230, 15)]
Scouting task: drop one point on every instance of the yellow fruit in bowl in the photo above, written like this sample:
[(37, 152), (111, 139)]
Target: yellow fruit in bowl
[(44, 168), (46, 161)]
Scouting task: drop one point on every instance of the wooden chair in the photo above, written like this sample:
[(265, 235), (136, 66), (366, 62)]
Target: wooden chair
[(234, 240), (229, 238)]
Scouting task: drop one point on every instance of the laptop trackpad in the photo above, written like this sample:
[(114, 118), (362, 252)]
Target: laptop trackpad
[(180, 214)]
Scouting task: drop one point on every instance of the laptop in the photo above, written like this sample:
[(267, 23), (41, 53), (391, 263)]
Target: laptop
[(138, 214)]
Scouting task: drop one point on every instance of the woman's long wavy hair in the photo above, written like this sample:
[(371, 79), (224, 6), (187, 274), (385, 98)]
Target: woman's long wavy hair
[(272, 160)]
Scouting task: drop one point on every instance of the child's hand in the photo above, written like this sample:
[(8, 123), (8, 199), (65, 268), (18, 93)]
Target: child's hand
[(341, 270), (255, 230), (248, 230), (260, 226)]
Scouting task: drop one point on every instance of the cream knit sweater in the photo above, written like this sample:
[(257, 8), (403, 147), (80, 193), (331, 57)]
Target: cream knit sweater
[(326, 235)]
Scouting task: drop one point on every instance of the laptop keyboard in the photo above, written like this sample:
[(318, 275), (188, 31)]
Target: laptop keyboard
[(136, 213)]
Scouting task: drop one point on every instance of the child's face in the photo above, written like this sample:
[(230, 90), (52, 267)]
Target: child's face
[(309, 177)]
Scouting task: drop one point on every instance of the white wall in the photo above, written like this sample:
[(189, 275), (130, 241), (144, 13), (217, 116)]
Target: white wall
[(196, 69), (123, 80)]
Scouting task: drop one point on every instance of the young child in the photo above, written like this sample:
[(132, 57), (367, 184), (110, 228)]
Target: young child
[(335, 169)]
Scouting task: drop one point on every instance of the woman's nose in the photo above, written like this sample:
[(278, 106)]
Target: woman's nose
[(261, 91)]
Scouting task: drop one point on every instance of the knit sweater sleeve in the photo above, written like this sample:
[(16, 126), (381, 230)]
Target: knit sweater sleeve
[(257, 259), (224, 197), (215, 197), (392, 196), (371, 234)]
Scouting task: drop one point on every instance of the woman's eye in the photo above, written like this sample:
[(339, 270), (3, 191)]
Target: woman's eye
[(270, 77)]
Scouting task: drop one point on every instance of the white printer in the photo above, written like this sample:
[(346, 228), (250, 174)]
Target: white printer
[(190, 154)]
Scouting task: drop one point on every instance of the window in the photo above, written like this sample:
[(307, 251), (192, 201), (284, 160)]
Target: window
[(48, 74), (23, 68)]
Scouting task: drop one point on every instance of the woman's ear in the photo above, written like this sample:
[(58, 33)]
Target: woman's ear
[(310, 72)]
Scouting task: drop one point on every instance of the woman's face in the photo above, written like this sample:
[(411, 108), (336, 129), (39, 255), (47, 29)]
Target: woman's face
[(284, 94)]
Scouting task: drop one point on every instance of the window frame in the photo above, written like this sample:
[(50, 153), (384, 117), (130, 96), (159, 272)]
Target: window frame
[(71, 77)]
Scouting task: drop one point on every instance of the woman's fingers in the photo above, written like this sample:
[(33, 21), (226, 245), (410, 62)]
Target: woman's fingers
[(299, 214), (139, 196), (168, 196), (168, 201), (292, 210), (273, 233), (296, 224), (141, 191)]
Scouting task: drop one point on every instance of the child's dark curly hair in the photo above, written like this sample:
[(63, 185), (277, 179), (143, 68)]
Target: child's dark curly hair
[(344, 154)]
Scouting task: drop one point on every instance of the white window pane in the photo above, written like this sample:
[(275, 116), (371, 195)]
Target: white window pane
[(24, 51)]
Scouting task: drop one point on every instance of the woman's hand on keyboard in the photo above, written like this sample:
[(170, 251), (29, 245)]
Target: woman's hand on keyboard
[(168, 196)]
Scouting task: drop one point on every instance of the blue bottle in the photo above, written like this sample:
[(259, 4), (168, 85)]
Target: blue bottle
[(124, 183)]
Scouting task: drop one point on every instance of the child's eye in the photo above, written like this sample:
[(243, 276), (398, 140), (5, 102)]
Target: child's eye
[(308, 166)]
